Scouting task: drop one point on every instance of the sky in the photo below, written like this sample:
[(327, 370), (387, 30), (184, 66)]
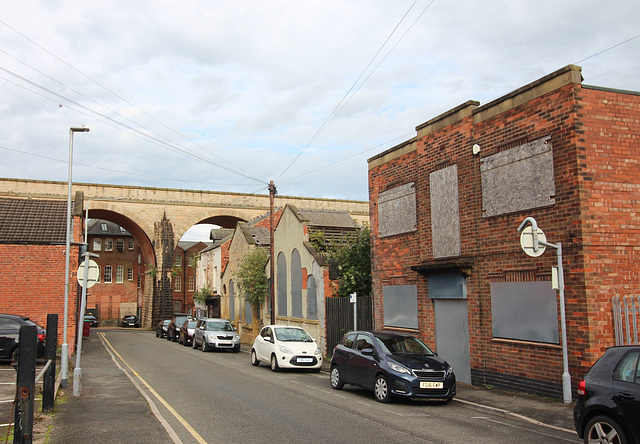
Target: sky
[(226, 96)]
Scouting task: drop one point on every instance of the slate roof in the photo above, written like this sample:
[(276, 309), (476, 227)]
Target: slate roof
[(30, 221), (325, 218), (258, 235), (95, 228)]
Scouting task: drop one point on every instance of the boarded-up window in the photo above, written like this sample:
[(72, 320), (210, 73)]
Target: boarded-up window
[(526, 311), (296, 284), (282, 285), (397, 210), (400, 304), (518, 179), (445, 214), (312, 303)]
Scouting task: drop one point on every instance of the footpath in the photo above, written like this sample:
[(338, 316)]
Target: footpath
[(110, 409)]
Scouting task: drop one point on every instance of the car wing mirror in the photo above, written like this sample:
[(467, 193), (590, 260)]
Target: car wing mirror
[(367, 351), (268, 339)]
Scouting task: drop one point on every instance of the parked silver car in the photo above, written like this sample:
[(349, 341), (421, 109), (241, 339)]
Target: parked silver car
[(216, 334)]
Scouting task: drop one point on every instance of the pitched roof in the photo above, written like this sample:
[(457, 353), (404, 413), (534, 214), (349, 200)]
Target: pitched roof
[(100, 227), (325, 218), (256, 235), (30, 221)]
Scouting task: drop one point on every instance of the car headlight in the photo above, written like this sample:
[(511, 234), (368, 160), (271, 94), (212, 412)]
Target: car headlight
[(284, 349), (449, 371), (399, 368), (317, 352)]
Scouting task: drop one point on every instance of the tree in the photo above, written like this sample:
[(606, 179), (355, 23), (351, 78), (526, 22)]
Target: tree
[(354, 265), (251, 276), (202, 294)]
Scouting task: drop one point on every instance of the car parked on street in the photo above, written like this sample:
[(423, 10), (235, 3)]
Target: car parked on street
[(286, 347), (608, 404), (215, 334), (93, 321), (173, 330), (391, 364), (161, 328), (185, 337), (130, 321), (10, 336)]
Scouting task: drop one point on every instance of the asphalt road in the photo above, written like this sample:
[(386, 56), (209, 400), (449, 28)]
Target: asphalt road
[(220, 397)]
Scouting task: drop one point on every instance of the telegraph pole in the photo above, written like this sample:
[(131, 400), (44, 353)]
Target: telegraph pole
[(272, 193)]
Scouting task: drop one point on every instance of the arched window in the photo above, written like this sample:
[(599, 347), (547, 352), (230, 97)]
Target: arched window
[(248, 312), (296, 284), (232, 301), (282, 285), (312, 302)]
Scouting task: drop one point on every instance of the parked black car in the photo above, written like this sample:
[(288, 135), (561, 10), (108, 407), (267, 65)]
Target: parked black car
[(130, 321), (608, 405), (161, 328), (10, 335), (173, 329), (391, 364), (91, 319), (185, 337)]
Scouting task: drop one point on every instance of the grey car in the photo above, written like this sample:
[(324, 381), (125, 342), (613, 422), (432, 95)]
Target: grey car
[(216, 334)]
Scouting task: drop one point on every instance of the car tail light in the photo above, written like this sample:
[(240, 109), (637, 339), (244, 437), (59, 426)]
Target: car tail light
[(41, 337), (582, 387)]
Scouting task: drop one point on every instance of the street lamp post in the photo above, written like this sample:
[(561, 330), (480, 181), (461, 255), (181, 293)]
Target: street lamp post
[(64, 363)]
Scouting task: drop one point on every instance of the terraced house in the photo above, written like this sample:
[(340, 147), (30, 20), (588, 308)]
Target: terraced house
[(445, 210)]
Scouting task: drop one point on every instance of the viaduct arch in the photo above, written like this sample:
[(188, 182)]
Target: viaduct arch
[(158, 217)]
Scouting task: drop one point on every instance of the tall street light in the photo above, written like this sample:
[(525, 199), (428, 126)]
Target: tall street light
[(64, 363)]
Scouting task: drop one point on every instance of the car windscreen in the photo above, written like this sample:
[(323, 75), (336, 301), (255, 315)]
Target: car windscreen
[(402, 345), (192, 324), (166, 322), (219, 326), (292, 335)]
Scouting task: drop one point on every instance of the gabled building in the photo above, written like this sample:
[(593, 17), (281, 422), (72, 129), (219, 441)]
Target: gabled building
[(212, 262), (445, 210), (303, 276), (184, 275), (118, 291), (33, 260)]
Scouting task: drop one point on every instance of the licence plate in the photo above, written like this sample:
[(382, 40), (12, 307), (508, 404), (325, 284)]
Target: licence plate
[(430, 385), (305, 360)]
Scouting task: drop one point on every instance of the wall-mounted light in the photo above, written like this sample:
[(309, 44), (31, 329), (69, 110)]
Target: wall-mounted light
[(476, 149)]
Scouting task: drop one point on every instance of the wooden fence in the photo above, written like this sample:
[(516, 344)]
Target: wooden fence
[(340, 318)]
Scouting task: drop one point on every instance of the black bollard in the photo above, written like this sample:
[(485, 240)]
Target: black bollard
[(48, 384), (25, 385)]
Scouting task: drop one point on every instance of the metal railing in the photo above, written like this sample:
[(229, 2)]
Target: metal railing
[(626, 315)]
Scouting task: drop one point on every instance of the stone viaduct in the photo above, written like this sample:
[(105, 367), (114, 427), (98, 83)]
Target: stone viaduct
[(158, 217)]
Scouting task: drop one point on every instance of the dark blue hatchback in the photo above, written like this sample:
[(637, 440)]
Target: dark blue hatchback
[(391, 364)]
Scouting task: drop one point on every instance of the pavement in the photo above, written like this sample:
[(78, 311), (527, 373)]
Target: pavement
[(111, 409)]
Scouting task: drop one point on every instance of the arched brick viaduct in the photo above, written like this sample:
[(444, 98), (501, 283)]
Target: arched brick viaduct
[(147, 213)]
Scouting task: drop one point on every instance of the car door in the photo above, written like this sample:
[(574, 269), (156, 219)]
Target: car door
[(343, 355), (262, 345), (626, 390), (199, 331), (9, 332), (364, 366)]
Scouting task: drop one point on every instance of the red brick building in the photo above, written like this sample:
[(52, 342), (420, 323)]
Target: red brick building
[(445, 208), (33, 259), (184, 275), (121, 281)]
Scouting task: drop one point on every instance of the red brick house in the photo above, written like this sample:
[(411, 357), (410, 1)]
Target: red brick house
[(32, 261), (445, 207), (184, 275), (119, 289)]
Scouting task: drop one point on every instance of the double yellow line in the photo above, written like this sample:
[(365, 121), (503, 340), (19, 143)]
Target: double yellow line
[(182, 421)]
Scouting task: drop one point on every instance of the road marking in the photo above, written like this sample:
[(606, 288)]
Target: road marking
[(516, 415), (180, 419), (409, 415), (528, 430)]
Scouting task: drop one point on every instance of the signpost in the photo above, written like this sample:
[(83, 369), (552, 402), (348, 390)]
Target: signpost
[(353, 298), (88, 280)]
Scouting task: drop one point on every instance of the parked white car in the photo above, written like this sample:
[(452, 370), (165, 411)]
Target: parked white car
[(286, 347), (215, 334)]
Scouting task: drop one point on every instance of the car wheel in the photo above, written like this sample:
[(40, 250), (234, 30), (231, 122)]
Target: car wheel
[(205, 347), (254, 358), (179, 340), (604, 429), (335, 378), (274, 364), (157, 334), (236, 349), (381, 389)]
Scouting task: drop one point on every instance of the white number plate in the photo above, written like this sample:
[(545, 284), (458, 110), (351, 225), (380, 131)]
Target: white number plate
[(305, 360), (430, 385)]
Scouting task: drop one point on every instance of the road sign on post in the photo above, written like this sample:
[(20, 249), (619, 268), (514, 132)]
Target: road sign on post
[(353, 298), (93, 274)]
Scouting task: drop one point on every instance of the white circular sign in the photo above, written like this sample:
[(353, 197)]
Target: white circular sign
[(526, 241), (92, 276)]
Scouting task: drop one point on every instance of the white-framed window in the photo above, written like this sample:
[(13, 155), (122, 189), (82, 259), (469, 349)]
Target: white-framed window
[(108, 245), (131, 244), (192, 258), (119, 274), (177, 260), (120, 245), (191, 283), (130, 274), (97, 244), (104, 227), (108, 271), (177, 283)]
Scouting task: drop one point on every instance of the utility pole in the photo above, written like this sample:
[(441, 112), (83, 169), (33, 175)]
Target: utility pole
[(272, 298)]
